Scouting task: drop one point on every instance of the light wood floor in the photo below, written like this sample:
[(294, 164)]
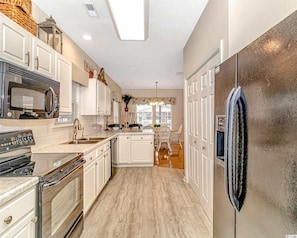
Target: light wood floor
[(175, 159), (147, 203)]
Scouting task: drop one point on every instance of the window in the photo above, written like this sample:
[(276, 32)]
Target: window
[(144, 114), (147, 114), (115, 112), (163, 115)]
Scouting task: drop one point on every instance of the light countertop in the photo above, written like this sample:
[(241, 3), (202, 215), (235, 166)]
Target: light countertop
[(86, 148), (11, 187)]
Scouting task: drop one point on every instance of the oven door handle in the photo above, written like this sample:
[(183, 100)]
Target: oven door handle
[(79, 164)]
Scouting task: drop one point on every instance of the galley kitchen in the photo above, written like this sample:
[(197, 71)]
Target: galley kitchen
[(107, 134)]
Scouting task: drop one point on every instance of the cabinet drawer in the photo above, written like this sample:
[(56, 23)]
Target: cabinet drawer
[(14, 210), (142, 137), (100, 151), (90, 157)]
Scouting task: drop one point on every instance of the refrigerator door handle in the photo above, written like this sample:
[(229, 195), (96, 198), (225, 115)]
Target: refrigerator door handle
[(226, 144), (237, 165)]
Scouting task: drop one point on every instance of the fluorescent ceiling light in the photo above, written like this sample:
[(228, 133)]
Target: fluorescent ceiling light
[(130, 18)]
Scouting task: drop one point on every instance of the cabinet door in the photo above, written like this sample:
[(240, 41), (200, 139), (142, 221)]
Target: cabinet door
[(101, 98), (100, 174), (124, 149), (107, 101), (14, 43), (107, 165), (89, 98), (142, 150), (64, 76), (42, 58), (89, 185), (25, 227)]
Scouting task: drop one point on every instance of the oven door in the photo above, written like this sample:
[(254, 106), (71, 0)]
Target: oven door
[(62, 205)]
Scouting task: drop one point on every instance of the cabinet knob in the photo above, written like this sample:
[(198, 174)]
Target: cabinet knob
[(7, 220), (34, 219), (203, 147)]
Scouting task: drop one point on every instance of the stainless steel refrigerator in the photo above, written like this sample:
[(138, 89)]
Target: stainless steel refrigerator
[(255, 173)]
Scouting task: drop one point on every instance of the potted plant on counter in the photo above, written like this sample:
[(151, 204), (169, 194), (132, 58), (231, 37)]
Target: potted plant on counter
[(126, 98)]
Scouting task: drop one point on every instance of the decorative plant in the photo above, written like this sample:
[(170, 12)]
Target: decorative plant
[(126, 98)]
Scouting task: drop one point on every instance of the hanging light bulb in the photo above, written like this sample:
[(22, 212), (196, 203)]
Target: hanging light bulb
[(155, 101)]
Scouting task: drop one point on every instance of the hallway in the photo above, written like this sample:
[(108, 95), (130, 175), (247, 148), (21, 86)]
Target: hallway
[(147, 203)]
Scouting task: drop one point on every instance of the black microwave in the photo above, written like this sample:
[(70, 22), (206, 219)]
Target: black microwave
[(27, 95)]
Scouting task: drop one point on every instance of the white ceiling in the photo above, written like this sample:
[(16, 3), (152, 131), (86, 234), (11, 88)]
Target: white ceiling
[(132, 64)]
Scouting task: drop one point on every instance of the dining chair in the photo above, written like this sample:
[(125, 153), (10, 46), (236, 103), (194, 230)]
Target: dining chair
[(176, 135), (164, 137)]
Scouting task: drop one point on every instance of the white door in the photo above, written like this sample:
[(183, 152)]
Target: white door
[(201, 133), (206, 138)]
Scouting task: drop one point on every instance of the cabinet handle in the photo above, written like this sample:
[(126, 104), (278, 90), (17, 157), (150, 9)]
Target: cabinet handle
[(203, 147), (7, 220), (141, 138), (91, 158), (194, 142), (28, 58), (34, 219), (37, 62)]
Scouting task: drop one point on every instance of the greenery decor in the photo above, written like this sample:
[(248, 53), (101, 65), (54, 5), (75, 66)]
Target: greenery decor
[(126, 98)]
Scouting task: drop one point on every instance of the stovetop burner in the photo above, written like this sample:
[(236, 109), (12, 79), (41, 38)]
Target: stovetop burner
[(16, 158), (25, 170)]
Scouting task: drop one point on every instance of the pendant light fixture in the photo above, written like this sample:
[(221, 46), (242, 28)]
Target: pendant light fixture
[(156, 101)]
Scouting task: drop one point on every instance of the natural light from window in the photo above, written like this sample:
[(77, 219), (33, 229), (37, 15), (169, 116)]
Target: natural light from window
[(151, 115)]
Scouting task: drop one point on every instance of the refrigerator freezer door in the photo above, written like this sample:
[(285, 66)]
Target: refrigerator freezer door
[(223, 218), (267, 71)]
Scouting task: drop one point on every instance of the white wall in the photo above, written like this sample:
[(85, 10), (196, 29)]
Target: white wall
[(248, 19), (210, 29), (237, 22)]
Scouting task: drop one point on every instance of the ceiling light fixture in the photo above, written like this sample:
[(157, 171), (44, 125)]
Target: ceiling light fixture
[(156, 101), (130, 18), (87, 37)]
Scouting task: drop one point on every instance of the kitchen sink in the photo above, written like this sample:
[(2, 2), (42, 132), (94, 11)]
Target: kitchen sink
[(82, 142), (90, 140)]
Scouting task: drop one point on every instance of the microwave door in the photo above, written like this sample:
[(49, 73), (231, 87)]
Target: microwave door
[(51, 103)]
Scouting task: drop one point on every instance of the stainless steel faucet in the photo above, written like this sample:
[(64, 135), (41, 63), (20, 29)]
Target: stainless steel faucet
[(76, 127)]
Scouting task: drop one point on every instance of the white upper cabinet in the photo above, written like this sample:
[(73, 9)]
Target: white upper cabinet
[(94, 99), (63, 74), (15, 43), (42, 58), (20, 47)]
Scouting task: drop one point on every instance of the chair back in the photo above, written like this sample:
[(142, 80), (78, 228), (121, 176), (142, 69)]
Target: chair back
[(180, 129), (164, 133)]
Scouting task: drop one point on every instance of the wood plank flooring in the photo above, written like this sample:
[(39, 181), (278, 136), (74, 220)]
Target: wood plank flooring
[(171, 160), (147, 203)]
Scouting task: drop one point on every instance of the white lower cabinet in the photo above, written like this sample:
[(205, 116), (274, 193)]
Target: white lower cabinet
[(135, 150), (96, 173), (89, 180), (100, 169), (18, 216), (107, 163)]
